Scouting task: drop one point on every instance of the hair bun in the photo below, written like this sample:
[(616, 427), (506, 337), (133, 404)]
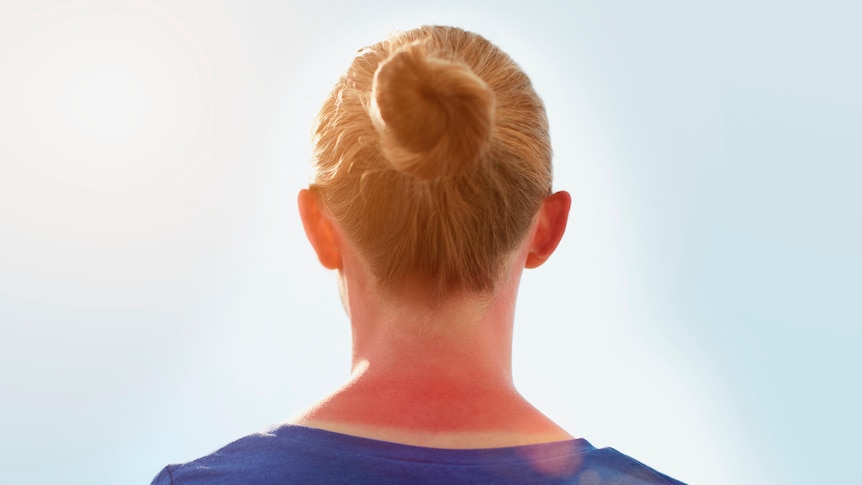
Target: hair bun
[(435, 117)]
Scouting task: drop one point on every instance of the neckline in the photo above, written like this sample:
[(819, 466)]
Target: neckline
[(393, 450)]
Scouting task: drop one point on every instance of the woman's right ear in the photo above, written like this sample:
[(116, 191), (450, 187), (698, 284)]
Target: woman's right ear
[(319, 230)]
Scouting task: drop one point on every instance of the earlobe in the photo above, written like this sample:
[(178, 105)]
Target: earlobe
[(550, 227), (319, 230)]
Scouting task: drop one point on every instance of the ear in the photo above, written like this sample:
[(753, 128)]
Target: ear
[(550, 226), (319, 230)]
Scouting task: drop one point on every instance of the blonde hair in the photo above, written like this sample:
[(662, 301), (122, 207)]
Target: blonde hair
[(432, 155)]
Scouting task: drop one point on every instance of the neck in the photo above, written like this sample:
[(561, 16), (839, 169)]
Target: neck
[(432, 372), (453, 342)]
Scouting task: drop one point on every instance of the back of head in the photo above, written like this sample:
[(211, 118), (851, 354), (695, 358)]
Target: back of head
[(432, 154)]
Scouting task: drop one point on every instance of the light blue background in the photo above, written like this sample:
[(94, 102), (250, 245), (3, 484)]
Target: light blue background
[(158, 299)]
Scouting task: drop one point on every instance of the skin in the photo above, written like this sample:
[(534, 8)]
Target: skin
[(432, 371)]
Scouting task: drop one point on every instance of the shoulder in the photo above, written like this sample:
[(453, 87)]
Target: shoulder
[(250, 459), (603, 463), (283, 454)]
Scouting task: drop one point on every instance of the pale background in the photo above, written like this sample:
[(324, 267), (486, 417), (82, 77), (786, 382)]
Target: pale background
[(158, 299)]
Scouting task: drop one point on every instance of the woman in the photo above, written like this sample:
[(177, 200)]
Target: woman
[(431, 194)]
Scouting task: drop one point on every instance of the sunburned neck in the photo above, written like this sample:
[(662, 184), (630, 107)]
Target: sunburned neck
[(433, 374), (423, 408)]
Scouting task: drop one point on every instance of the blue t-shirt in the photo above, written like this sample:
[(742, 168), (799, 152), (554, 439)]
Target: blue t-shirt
[(292, 454)]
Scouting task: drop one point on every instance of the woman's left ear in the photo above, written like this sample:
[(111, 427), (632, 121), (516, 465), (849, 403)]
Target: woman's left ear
[(550, 227), (319, 230)]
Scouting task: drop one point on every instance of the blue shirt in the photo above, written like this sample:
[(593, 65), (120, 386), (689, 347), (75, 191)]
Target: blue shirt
[(294, 454)]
